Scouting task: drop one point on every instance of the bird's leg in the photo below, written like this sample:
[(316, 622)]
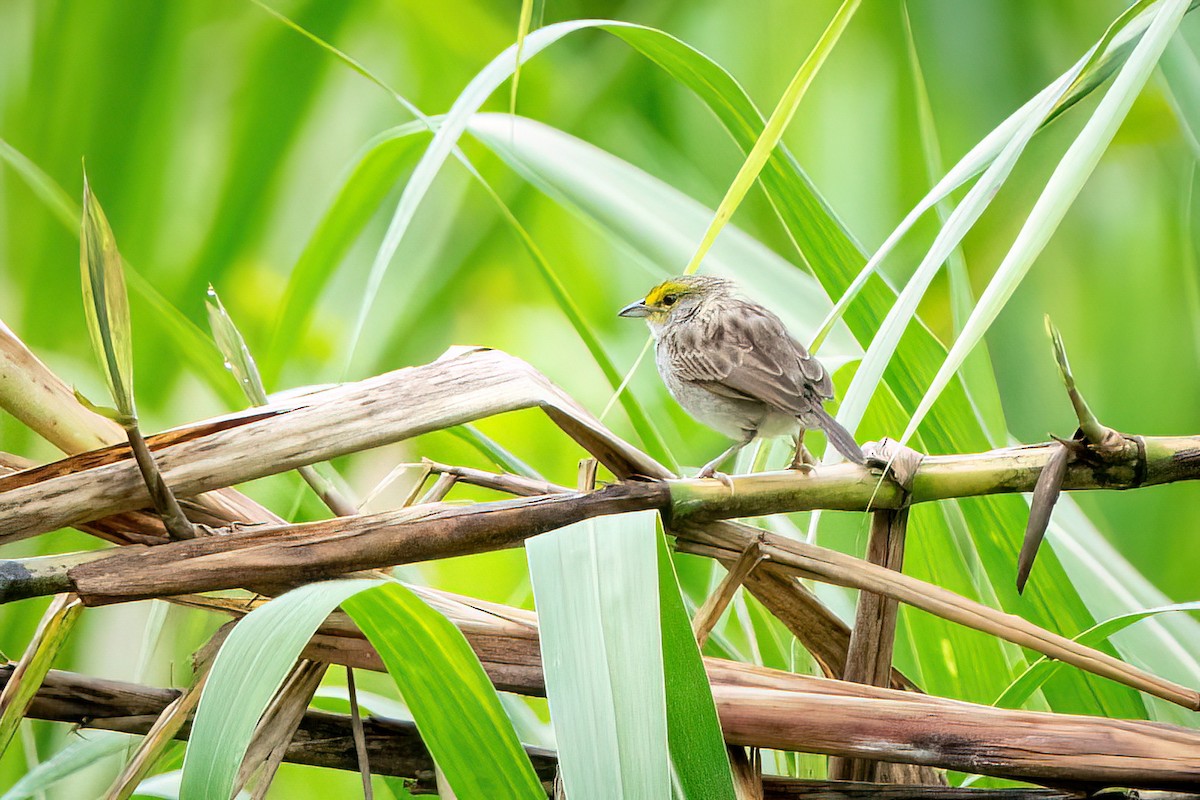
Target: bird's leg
[(803, 460), (710, 469)]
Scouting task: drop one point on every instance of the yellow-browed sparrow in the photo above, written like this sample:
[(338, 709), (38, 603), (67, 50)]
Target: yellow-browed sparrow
[(733, 366)]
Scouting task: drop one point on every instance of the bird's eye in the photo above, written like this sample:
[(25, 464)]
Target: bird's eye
[(669, 299)]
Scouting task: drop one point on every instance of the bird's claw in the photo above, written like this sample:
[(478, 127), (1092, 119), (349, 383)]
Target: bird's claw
[(806, 468), (711, 472)]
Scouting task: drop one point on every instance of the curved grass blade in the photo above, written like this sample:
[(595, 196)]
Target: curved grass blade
[(343, 223), (979, 377), (772, 132), (698, 754), (870, 372), (655, 221), (263, 646), (190, 340), (82, 751), (247, 672), (493, 451), (26, 679), (1044, 668), (1062, 188), (1181, 68), (522, 31), (451, 699), (1088, 72)]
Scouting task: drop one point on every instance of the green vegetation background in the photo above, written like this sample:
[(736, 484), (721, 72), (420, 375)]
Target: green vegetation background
[(216, 138)]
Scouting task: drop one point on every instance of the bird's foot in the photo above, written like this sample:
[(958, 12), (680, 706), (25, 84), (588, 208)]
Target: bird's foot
[(710, 471), (803, 461)]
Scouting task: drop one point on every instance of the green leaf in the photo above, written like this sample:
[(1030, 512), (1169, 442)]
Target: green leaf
[(1044, 669), (105, 302), (246, 673), (451, 699), (1087, 73), (83, 749), (233, 349), (523, 26), (655, 221), (1064, 185), (446, 690), (698, 754), (26, 679), (772, 132), (189, 339), (629, 698), (1181, 68), (595, 586)]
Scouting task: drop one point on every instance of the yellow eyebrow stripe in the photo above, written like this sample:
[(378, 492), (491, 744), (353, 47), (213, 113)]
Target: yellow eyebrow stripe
[(663, 289)]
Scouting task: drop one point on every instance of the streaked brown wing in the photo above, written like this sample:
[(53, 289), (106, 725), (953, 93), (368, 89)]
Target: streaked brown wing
[(743, 351)]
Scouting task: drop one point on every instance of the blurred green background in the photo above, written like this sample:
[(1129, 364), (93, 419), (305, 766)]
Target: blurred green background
[(216, 138)]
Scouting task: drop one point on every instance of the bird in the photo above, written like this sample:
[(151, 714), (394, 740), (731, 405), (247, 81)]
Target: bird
[(733, 366)]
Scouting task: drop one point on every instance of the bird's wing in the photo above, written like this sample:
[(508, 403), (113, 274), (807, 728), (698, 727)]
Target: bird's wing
[(743, 351)]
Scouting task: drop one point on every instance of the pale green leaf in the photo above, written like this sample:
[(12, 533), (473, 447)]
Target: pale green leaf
[(595, 585), (1064, 185), (451, 699), (105, 302), (1044, 669), (772, 132)]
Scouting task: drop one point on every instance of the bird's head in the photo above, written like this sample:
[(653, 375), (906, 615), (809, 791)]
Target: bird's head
[(675, 298)]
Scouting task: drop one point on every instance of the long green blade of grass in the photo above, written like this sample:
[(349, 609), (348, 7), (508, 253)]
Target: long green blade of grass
[(26, 679), (595, 586), (446, 691), (523, 25), (189, 340), (654, 222), (1082, 77), (80, 752), (772, 132), (978, 374), (1044, 669), (451, 699), (349, 214), (1062, 188), (629, 698), (698, 755)]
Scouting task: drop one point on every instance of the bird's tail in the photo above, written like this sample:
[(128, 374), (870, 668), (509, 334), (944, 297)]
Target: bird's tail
[(839, 437)]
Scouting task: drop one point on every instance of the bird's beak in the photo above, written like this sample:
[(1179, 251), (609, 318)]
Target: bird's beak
[(636, 309)]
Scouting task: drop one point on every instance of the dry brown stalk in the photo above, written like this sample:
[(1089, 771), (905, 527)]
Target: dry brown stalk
[(468, 384), (768, 708), (332, 547), (869, 658), (830, 566), (465, 386), (396, 749)]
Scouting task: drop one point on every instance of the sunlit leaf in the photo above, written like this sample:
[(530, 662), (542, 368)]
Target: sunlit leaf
[(105, 303), (1044, 669), (772, 132), (446, 690), (1064, 185)]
